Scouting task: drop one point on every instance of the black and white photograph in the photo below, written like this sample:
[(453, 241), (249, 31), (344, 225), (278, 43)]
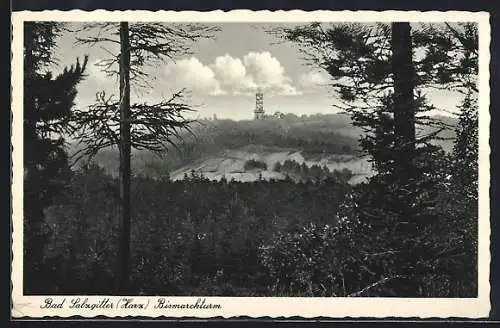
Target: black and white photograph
[(288, 159)]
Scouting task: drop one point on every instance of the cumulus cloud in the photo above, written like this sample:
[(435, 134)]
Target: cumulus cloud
[(268, 73), (265, 68), (232, 75), (194, 75)]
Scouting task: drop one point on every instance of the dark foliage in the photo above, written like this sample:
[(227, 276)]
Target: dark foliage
[(276, 238), (191, 237), (253, 164), (407, 215), (48, 102), (301, 172)]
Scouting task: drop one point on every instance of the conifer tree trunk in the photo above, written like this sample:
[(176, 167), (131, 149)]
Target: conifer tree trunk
[(124, 250), (404, 111)]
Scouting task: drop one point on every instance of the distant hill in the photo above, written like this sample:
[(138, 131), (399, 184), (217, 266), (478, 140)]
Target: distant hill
[(230, 164), (220, 147)]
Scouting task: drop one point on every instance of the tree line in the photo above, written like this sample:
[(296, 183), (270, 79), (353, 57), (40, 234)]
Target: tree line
[(302, 172)]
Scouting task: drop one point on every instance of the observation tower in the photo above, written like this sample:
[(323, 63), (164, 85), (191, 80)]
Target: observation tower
[(259, 105)]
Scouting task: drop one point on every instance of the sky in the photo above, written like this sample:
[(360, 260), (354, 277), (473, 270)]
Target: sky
[(221, 75)]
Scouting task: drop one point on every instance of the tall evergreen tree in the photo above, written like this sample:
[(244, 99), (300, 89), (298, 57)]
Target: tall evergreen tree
[(464, 193), (381, 81), (48, 102), (465, 149), (139, 126)]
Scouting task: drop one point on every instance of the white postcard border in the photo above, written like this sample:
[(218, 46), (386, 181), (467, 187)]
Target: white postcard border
[(32, 306)]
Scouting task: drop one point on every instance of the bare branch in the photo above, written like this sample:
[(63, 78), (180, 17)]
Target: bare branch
[(153, 126)]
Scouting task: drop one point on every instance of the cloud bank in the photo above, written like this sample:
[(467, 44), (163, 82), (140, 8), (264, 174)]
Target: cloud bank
[(231, 75)]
